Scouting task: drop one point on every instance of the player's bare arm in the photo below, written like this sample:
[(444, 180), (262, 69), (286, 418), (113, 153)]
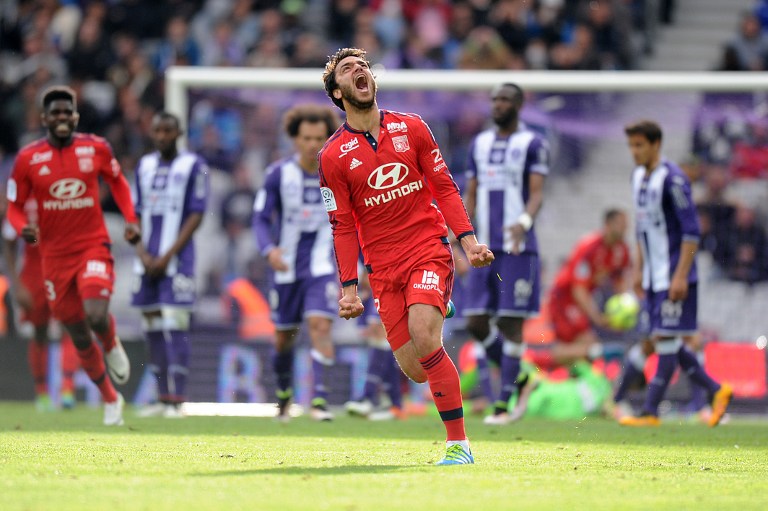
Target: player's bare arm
[(275, 259), (188, 228), (479, 254), (532, 207), (678, 287), (637, 283), (470, 197), (132, 233), (583, 298), (350, 305), (20, 293)]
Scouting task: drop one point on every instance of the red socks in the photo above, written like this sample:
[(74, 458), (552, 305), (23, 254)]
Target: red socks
[(69, 363), (108, 339), (446, 391), (37, 356), (93, 365)]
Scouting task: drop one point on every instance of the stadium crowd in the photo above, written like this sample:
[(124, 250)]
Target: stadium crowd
[(730, 159), (114, 54)]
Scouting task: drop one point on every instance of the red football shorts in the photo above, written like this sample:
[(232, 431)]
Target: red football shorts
[(73, 278), (426, 277), (31, 277), (568, 320)]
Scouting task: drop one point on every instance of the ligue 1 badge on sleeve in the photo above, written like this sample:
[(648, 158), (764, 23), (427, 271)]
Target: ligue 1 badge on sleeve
[(329, 200)]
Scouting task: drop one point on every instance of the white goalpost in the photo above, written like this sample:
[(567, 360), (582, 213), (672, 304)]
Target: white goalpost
[(180, 79), (573, 203)]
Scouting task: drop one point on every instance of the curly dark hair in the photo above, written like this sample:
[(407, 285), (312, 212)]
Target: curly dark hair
[(312, 114), (329, 74)]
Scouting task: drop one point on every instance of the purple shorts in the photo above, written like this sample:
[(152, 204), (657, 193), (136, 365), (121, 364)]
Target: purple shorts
[(370, 315), (314, 296), (670, 318), (509, 287), (178, 290)]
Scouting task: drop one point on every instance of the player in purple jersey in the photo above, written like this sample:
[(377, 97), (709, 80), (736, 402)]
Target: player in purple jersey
[(506, 169), (292, 230), (171, 195), (667, 240)]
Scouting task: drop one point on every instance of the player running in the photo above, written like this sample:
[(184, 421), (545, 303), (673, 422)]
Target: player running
[(61, 172), (28, 289)]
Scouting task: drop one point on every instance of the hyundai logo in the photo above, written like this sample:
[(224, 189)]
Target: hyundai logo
[(388, 176), (69, 188)]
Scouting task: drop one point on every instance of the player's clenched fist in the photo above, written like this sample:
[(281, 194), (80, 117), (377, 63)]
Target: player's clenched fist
[(480, 255), (132, 233), (350, 306), (30, 233)]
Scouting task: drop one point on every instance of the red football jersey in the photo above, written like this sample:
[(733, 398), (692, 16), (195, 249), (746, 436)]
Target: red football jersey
[(65, 183), (383, 191), (592, 262)]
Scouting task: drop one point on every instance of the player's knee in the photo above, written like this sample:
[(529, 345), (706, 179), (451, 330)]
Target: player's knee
[(98, 320), (175, 318), (478, 327), (511, 328)]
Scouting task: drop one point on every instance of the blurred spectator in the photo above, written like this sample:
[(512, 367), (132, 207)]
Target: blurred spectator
[(750, 44), (750, 154), (178, 47), (389, 21), (549, 24), (66, 17), (761, 11), (270, 48), (91, 54), (309, 51), (461, 24), (429, 19), (485, 49), (341, 27), (611, 28), (508, 17), (715, 213), (746, 247), (580, 54), (222, 48), (246, 23), (667, 11)]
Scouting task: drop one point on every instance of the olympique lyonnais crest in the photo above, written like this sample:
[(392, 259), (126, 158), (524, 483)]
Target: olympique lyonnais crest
[(86, 164), (401, 143)]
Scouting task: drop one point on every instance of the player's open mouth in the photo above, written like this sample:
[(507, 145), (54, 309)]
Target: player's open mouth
[(361, 83), (62, 128)]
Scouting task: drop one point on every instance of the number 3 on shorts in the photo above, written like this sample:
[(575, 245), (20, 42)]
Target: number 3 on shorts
[(50, 293)]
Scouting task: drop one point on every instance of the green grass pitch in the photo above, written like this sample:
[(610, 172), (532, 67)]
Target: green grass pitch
[(68, 461)]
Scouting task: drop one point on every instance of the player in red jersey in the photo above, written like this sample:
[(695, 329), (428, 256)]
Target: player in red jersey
[(379, 175), (28, 290), (598, 259), (62, 171)]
